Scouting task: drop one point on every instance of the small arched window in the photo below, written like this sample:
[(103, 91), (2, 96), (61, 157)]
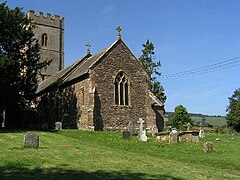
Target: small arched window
[(121, 89), (44, 39)]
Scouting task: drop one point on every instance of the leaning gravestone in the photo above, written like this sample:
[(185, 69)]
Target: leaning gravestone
[(31, 140), (130, 128), (154, 130), (126, 135), (208, 147), (58, 125)]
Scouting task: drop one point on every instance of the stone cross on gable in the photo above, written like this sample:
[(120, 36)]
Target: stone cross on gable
[(141, 121), (119, 30), (88, 48)]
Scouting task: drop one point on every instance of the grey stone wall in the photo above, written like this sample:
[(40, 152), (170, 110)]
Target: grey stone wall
[(53, 26), (103, 74), (97, 109)]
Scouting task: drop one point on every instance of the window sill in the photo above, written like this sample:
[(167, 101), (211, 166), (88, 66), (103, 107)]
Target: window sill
[(123, 106)]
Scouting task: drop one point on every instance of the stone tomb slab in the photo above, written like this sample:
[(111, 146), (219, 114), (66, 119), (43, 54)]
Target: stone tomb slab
[(31, 140)]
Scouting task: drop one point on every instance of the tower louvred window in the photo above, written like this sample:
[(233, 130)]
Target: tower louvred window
[(44, 39), (121, 89)]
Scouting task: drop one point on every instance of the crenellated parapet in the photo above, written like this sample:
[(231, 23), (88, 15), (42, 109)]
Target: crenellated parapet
[(48, 19)]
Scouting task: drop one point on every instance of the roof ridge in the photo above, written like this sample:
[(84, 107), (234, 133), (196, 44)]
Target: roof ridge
[(106, 50)]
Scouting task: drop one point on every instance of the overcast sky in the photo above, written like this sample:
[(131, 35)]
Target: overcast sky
[(187, 34)]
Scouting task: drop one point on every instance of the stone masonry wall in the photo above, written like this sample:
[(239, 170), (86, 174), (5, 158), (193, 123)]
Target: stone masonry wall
[(53, 26), (103, 74), (71, 105)]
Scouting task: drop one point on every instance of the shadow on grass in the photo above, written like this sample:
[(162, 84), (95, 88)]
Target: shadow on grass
[(23, 172), (25, 130)]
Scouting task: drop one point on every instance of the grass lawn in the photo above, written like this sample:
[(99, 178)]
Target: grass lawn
[(74, 154)]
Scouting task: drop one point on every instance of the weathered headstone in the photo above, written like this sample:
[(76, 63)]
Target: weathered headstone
[(143, 136), (188, 126), (201, 134), (142, 133), (130, 128), (58, 125), (154, 130), (31, 140), (126, 135), (45, 126), (3, 118), (158, 139), (208, 147), (173, 136)]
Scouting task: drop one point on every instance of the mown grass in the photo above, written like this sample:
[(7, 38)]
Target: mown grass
[(74, 154)]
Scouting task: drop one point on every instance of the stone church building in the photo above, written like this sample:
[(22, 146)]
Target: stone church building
[(102, 91)]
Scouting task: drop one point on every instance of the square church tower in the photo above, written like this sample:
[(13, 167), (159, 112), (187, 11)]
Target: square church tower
[(49, 31)]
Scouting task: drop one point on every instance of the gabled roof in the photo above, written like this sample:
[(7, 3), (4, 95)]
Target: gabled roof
[(54, 79), (155, 100), (77, 69)]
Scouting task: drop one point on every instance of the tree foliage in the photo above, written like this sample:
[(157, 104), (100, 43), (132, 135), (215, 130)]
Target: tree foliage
[(19, 58), (180, 117), (233, 111), (152, 68)]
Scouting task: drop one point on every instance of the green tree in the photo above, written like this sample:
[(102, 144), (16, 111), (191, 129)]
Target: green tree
[(233, 111), (152, 68), (180, 117), (19, 59)]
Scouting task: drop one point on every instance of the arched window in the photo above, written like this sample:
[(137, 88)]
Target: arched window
[(44, 39), (121, 89)]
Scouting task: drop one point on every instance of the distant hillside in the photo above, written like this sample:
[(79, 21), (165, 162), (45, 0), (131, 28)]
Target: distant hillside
[(215, 120)]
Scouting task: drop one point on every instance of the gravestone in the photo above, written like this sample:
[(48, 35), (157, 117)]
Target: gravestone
[(31, 140), (58, 125), (208, 147), (141, 121), (130, 128), (142, 133), (126, 135), (45, 126), (173, 136), (154, 131), (201, 134), (143, 136), (3, 118), (158, 139), (188, 126)]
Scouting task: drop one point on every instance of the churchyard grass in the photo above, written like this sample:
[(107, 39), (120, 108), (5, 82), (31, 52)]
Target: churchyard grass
[(74, 154)]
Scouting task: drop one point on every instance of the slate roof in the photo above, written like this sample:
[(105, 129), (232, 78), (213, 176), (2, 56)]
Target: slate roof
[(77, 69)]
